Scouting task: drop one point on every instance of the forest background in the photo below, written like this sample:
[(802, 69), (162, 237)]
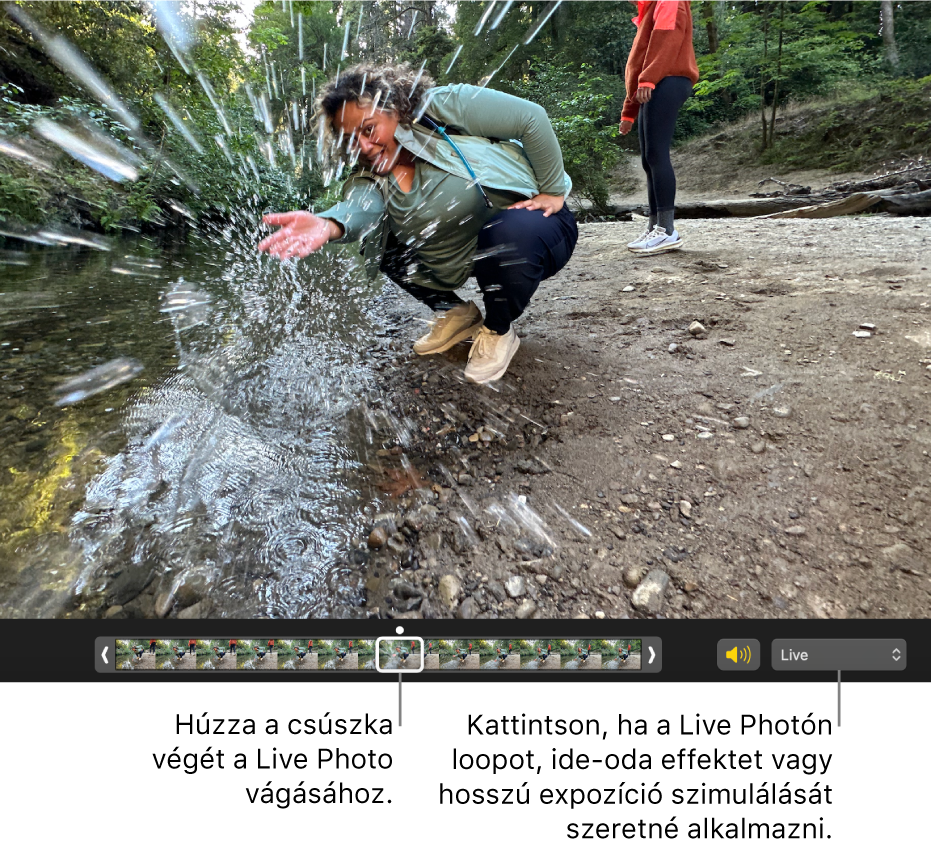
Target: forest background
[(209, 105)]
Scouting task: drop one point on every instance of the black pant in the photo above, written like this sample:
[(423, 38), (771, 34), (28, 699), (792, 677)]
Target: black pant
[(516, 250), (655, 125)]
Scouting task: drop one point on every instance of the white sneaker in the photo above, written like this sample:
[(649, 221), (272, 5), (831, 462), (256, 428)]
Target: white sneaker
[(641, 240), (491, 355), (455, 325), (658, 241)]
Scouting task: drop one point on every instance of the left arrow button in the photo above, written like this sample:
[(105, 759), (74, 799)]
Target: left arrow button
[(103, 655)]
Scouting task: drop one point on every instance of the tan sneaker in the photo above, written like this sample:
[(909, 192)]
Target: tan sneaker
[(455, 325), (491, 355)]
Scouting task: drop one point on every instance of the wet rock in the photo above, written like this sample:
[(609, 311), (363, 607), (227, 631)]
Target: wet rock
[(515, 586), (526, 610), (114, 612), (408, 616), (129, 583), (193, 588), (416, 520), (697, 330), (164, 603), (650, 595), (467, 609), (397, 544), (448, 590), (378, 537), (405, 591), (198, 610), (741, 422)]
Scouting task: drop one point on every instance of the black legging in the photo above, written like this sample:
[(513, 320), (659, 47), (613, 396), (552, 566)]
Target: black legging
[(516, 250), (655, 125)]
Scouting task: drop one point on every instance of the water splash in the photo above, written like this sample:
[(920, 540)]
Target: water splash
[(176, 121), (212, 97), (453, 60), (97, 380), (484, 18), (93, 149), (501, 14), (535, 29), (17, 152), (572, 521)]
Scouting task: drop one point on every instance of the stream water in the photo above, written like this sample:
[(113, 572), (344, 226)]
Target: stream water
[(228, 465)]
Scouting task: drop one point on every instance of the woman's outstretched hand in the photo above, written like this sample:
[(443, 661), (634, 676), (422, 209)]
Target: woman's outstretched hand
[(301, 234), (548, 203)]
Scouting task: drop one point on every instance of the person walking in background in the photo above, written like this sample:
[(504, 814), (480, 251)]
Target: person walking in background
[(661, 71)]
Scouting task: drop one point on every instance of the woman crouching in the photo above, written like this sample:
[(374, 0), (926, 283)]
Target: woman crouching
[(446, 183)]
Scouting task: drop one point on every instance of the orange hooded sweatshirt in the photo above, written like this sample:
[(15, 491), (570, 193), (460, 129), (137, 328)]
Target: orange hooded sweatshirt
[(662, 48)]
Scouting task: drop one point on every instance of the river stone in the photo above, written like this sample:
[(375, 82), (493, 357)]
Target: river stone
[(696, 329), (113, 612), (191, 590), (741, 422), (378, 537), (632, 576), (526, 610), (397, 544), (650, 594), (515, 586), (496, 591), (198, 610), (129, 583), (467, 609), (163, 603), (449, 590)]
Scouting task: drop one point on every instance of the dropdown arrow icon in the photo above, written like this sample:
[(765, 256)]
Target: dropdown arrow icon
[(896, 655)]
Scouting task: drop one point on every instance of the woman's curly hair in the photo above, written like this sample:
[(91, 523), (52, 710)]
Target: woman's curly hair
[(394, 87)]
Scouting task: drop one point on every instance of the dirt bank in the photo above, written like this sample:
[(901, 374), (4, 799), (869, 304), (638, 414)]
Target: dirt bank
[(775, 465)]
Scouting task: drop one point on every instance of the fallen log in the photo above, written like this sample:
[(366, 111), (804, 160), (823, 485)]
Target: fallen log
[(856, 203), (910, 204), (722, 209), (892, 201)]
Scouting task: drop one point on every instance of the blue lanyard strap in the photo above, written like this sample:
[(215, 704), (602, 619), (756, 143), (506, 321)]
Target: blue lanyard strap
[(430, 124)]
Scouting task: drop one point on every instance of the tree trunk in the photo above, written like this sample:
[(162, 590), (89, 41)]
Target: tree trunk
[(764, 145), (707, 15), (887, 25), (772, 120)]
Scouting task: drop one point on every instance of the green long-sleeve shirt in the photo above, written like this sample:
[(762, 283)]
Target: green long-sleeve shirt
[(443, 213)]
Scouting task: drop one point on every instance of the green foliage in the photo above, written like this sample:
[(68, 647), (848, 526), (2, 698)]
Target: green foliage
[(766, 55), (582, 114)]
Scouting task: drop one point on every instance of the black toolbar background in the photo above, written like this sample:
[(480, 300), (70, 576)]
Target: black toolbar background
[(63, 650)]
